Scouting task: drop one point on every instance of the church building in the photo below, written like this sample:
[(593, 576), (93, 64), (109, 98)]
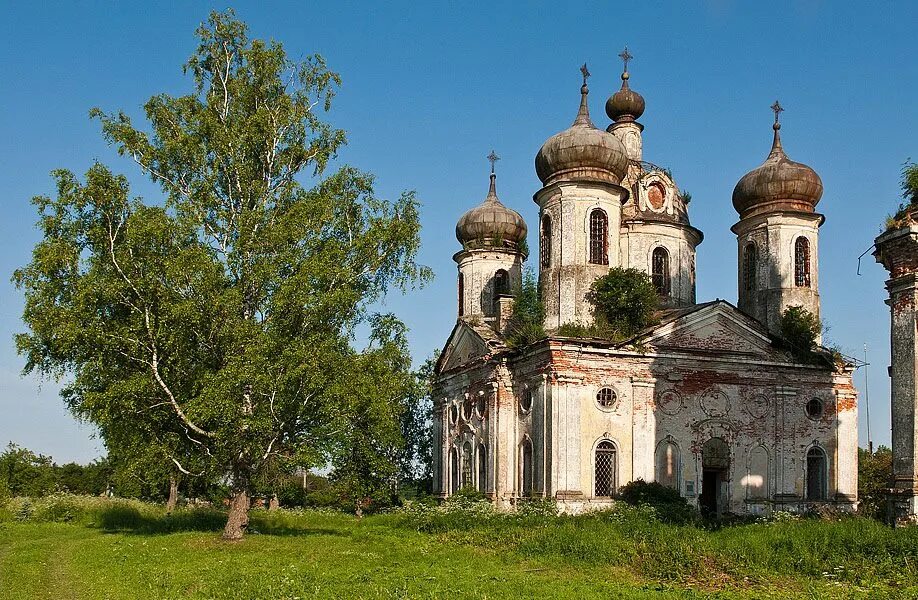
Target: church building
[(708, 400)]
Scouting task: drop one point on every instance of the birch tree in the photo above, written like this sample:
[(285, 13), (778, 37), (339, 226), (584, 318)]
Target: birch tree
[(217, 322)]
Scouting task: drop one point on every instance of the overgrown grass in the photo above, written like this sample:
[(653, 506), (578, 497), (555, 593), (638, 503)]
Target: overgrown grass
[(95, 547)]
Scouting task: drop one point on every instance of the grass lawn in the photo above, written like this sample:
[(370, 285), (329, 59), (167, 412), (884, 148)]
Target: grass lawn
[(141, 553)]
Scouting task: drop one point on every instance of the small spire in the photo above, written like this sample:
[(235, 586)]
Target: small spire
[(776, 148), (492, 191), (583, 114), (625, 56)]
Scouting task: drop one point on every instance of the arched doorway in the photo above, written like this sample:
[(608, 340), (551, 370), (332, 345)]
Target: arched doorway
[(715, 474)]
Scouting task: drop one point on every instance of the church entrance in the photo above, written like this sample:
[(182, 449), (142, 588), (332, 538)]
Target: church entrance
[(715, 475)]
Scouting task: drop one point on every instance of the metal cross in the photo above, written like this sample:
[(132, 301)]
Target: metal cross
[(625, 56), (586, 73), (493, 157), (777, 108)]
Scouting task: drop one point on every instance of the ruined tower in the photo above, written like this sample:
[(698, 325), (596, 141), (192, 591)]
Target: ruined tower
[(897, 250), (778, 236), (580, 207), (491, 260)]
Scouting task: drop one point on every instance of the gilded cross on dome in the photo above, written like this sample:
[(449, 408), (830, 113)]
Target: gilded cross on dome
[(625, 56), (493, 157), (778, 109), (586, 73)]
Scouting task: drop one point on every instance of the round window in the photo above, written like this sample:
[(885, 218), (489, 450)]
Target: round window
[(481, 405), (606, 398), (814, 408), (526, 401)]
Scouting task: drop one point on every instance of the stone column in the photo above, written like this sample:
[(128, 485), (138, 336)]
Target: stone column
[(897, 250)]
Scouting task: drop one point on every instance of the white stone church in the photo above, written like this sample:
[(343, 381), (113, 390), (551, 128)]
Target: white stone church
[(707, 401)]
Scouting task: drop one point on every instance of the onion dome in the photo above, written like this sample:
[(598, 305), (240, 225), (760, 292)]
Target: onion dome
[(491, 224), (625, 105), (582, 152), (778, 184)]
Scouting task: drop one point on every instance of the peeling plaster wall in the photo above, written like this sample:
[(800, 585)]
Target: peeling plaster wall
[(638, 241), (566, 279), (478, 267), (668, 397)]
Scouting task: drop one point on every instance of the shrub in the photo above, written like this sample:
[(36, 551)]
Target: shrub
[(799, 328), (528, 316), (624, 301), (669, 505), (874, 472)]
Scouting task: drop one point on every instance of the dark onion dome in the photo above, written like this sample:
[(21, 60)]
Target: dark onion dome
[(625, 105), (778, 184), (491, 223), (582, 152)]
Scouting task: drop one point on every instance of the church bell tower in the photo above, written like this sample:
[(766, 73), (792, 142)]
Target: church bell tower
[(778, 236)]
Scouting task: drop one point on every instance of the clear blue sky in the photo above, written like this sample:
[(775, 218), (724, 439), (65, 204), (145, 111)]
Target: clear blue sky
[(429, 89)]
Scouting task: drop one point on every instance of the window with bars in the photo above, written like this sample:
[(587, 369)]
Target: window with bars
[(599, 237), (802, 262), (659, 270), (605, 469), (750, 265), (606, 398), (545, 243), (467, 465)]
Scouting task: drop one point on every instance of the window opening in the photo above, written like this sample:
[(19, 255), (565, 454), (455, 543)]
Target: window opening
[(545, 243), (605, 469), (599, 237), (660, 271), (606, 398), (750, 264), (815, 474), (802, 262)]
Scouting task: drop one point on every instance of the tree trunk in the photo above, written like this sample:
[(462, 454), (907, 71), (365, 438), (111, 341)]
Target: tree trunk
[(274, 503), (238, 518), (173, 494)]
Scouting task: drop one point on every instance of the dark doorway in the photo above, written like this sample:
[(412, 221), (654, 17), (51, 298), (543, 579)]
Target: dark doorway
[(715, 465), (710, 488)]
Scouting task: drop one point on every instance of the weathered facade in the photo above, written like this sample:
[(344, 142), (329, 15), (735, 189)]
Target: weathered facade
[(897, 250), (707, 401)]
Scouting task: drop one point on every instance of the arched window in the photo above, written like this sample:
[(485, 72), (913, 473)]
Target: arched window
[(453, 471), (501, 282), (467, 465), (461, 293), (526, 468), (667, 460), (599, 237), (545, 243), (802, 262), (750, 265), (660, 270), (482, 468), (816, 474), (604, 469)]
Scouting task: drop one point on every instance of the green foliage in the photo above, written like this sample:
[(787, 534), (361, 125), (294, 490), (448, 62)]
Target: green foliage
[(799, 329), (211, 333), (908, 183), (528, 316), (624, 302), (599, 330), (25, 473), (686, 197), (669, 505), (874, 474)]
